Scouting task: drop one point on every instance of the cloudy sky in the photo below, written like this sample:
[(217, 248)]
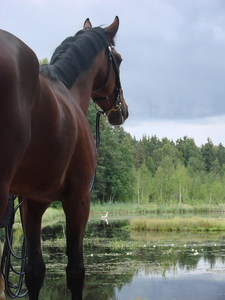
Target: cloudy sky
[(173, 70)]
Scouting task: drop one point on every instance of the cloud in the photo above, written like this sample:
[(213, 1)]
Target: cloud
[(173, 52), (200, 130), (177, 64)]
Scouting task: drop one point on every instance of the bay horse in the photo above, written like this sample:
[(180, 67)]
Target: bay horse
[(47, 149)]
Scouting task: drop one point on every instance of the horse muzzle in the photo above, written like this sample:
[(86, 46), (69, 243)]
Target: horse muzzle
[(119, 113)]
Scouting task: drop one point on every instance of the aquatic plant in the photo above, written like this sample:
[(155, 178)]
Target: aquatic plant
[(178, 224)]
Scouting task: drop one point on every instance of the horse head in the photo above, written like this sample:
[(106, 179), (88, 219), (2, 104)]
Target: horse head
[(107, 91)]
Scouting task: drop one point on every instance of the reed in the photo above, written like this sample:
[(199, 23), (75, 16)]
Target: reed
[(178, 224), (130, 208), (52, 216)]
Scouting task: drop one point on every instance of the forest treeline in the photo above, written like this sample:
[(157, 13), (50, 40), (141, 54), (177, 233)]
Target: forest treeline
[(159, 171), (152, 170)]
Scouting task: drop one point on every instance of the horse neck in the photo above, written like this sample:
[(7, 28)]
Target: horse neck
[(83, 85), (81, 90)]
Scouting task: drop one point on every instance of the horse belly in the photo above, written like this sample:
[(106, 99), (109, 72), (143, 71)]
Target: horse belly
[(38, 183), (42, 172)]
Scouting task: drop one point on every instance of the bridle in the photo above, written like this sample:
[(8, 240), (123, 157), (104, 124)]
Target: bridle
[(117, 90)]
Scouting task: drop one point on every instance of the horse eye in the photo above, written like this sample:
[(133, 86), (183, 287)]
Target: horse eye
[(119, 61)]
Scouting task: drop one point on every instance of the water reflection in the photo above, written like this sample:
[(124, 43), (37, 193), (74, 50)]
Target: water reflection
[(121, 265), (157, 266)]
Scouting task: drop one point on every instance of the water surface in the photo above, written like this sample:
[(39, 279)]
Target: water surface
[(122, 265)]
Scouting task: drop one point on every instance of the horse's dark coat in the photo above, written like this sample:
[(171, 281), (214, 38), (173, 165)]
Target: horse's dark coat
[(47, 150)]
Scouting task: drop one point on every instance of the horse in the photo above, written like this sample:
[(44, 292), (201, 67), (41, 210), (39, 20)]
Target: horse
[(47, 149)]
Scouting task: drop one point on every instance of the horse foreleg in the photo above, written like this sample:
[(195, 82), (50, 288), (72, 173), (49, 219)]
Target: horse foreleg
[(77, 212), (35, 269)]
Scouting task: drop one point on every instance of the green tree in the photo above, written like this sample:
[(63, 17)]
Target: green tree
[(167, 150), (144, 185), (208, 154), (181, 183), (187, 148), (220, 154), (195, 165), (115, 171), (163, 180), (43, 61)]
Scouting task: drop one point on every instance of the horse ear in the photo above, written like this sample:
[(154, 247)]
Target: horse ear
[(87, 24), (112, 29)]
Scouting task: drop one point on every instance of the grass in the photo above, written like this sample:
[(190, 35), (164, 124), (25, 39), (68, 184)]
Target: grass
[(178, 224), (135, 208), (52, 216), (56, 215)]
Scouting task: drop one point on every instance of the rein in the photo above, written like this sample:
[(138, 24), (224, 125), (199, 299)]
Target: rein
[(97, 143), (9, 257)]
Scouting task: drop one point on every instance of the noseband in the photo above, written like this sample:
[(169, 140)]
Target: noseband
[(117, 91)]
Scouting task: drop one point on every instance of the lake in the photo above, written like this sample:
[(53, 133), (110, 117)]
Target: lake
[(123, 265)]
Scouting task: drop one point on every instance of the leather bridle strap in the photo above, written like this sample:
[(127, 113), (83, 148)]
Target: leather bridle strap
[(116, 70), (112, 62), (103, 86)]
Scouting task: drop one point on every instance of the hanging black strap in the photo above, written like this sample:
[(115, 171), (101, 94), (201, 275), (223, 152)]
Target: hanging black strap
[(97, 142), (13, 275), (8, 212)]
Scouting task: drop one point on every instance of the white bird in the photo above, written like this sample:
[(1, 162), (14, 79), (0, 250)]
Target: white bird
[(104, 216)]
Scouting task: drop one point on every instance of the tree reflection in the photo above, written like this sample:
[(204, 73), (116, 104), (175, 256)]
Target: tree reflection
[(113, 256)]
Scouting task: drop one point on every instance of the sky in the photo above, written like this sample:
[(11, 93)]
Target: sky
[(173, 69)]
